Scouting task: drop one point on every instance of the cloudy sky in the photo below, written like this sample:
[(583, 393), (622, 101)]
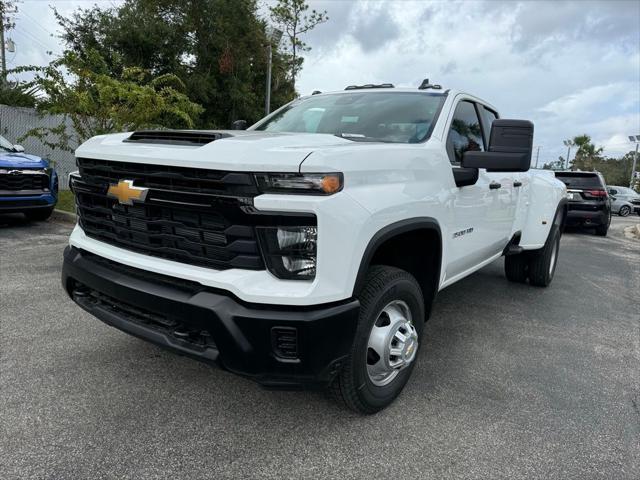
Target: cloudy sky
[(571, 67)]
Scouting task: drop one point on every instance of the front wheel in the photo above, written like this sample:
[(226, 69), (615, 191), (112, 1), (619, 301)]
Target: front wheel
[(385, 347)]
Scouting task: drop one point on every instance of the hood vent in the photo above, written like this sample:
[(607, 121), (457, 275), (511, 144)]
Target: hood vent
[(176, 137)]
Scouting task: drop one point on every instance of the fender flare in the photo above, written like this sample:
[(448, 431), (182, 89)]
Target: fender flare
[(387, 233), (560, 217)]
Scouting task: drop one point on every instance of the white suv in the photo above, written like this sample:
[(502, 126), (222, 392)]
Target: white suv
[(307, 250)]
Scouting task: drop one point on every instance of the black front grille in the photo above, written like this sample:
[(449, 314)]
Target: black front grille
[(14, 182), (194, 216)]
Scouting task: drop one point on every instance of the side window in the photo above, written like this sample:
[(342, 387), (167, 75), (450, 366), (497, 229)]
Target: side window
[(488, 116), (465, 132)]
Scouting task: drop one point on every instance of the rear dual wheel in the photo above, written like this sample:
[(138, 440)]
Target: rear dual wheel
[(538, 266), (386, 344)]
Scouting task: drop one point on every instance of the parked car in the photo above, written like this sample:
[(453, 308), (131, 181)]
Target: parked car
[(624, 200), (307, 250), (589, 203), (28, 184)]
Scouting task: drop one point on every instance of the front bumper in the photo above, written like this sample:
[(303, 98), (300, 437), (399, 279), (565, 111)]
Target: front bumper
[(214, 327), (20, 203)]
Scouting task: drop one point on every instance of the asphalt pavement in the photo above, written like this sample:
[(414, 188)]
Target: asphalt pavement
[(512, 381)]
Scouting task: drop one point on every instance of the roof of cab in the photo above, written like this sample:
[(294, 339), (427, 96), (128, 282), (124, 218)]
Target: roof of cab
[(429, 91)]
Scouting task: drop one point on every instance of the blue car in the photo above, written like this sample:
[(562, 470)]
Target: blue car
[(28, 184)]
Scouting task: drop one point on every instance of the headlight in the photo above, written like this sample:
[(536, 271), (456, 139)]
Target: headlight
[(290, 252), (309, 183)]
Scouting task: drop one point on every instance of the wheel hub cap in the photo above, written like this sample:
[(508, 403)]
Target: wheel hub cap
[(393, 343)]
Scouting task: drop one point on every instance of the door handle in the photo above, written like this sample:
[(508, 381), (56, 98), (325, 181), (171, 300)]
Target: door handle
[(495, 185), (517, 184)]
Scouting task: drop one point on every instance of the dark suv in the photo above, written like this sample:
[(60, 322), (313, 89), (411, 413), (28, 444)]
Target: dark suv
[(589, 203)]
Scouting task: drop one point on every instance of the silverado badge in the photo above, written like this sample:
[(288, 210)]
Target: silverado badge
[(126, 193)]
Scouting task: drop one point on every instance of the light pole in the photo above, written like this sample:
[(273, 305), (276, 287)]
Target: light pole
[(568, 144), (273, 38), (635, 139)]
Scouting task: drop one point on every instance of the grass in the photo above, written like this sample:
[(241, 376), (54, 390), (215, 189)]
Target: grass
[(66, 201)]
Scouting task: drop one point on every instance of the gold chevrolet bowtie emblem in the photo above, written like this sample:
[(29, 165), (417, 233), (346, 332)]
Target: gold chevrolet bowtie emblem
[(126, 193)]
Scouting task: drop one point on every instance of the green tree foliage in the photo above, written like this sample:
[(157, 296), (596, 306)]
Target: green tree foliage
[(18, 95), (557, 165), (616, 171), (587, 155), (216, 47), (95, 102), (292, 17)]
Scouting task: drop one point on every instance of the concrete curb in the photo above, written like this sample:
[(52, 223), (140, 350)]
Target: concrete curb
[(62, 216)]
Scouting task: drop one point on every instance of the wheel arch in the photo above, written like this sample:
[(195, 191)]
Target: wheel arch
[(387, 247)]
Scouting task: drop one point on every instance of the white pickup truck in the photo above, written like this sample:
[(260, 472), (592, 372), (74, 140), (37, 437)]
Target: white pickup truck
[(307, 250)]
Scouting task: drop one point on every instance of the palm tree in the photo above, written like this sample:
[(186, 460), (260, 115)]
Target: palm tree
[(586, 154)]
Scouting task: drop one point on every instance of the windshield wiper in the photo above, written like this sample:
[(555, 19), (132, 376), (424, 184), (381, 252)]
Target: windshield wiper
[(358, 137)]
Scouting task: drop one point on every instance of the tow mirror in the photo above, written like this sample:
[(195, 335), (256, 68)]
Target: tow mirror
[(239, 125), (510, 148), (18, 148)]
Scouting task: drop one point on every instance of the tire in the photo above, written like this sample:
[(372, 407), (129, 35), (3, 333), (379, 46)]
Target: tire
[(516, 267), (542, 262), (601, 230), (386, 289), (39, 215), (624, 211)]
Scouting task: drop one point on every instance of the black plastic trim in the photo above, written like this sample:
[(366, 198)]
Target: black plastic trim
[(176, 137), (390, 231), (465, 176)]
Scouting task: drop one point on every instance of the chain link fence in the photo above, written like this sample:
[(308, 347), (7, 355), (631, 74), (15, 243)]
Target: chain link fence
[(17, 121)]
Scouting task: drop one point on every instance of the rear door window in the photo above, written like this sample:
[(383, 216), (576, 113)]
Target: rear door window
[(579, 181), (488, 116)]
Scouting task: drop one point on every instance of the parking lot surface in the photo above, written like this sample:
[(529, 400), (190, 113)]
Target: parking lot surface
[(512, 382)]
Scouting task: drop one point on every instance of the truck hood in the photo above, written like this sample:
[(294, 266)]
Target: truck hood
[(240, 151), (21, 160)]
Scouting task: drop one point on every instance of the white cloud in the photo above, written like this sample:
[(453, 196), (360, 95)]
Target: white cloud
[(571, 67)]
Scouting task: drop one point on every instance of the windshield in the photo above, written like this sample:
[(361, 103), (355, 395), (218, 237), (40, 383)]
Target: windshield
[(6, 144), (397, 117)]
